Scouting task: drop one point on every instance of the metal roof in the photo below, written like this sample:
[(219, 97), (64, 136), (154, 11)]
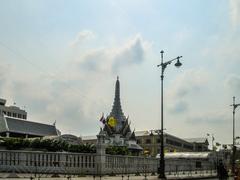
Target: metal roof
[(14, 125), (135, 146), (197, 140), (149, 132), (156, 132), (142, 133), (89, 137), (187, 155)]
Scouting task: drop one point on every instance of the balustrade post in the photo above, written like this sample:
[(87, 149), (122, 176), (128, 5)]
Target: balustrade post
[(100, 162)]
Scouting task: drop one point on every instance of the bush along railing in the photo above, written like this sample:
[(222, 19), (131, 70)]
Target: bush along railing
[(117, 150), (51, 145)]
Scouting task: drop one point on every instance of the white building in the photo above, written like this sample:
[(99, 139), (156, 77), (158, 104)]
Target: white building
[(12, 111)]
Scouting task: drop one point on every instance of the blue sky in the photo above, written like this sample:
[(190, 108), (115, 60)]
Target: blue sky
[(60, 59)]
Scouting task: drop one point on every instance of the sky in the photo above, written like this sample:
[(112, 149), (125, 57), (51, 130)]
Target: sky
[(59, 60)]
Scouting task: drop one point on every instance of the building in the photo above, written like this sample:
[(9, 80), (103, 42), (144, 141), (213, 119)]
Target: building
[(199, 144), (117, 128), (89, 139), (14, 123), (149, 140)]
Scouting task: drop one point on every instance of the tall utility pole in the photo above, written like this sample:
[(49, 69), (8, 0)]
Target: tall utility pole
[(234, 147)]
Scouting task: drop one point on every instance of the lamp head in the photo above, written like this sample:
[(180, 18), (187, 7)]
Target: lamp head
[(178, 63)]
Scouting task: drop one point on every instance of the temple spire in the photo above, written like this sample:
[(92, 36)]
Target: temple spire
[(117, 91), (117, 109)]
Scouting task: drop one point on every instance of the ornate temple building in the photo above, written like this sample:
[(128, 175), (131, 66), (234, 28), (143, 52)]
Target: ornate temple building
[(117, 128)]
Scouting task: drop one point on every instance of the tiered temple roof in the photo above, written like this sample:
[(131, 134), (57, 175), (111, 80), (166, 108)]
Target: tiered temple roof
[(121, 125), (18, 127)]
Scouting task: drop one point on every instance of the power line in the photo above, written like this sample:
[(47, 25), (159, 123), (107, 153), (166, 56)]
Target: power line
[(75, 91)]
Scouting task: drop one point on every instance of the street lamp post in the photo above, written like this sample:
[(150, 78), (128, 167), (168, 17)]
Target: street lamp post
[(234, 147), (163, 67)]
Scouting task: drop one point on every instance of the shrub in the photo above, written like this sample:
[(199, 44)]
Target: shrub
[(117, 150), (47, 144)]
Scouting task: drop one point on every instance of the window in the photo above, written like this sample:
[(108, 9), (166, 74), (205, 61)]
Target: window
[(186, 146), (24, 116), (138, 141), (158, 140), (198, 164), (19, 116), (9, 113), (14, 115), (174, 143), (148, 141)]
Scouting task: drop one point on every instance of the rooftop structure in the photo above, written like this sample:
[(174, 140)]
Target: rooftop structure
[(12, 111)]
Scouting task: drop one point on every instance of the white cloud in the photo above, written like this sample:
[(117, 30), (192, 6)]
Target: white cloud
[(133, 52), (179, 107), (82, 36), (188, 83), (210, 117), (113, 59)]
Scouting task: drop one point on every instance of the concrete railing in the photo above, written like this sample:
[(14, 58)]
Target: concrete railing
[(39, 162)]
